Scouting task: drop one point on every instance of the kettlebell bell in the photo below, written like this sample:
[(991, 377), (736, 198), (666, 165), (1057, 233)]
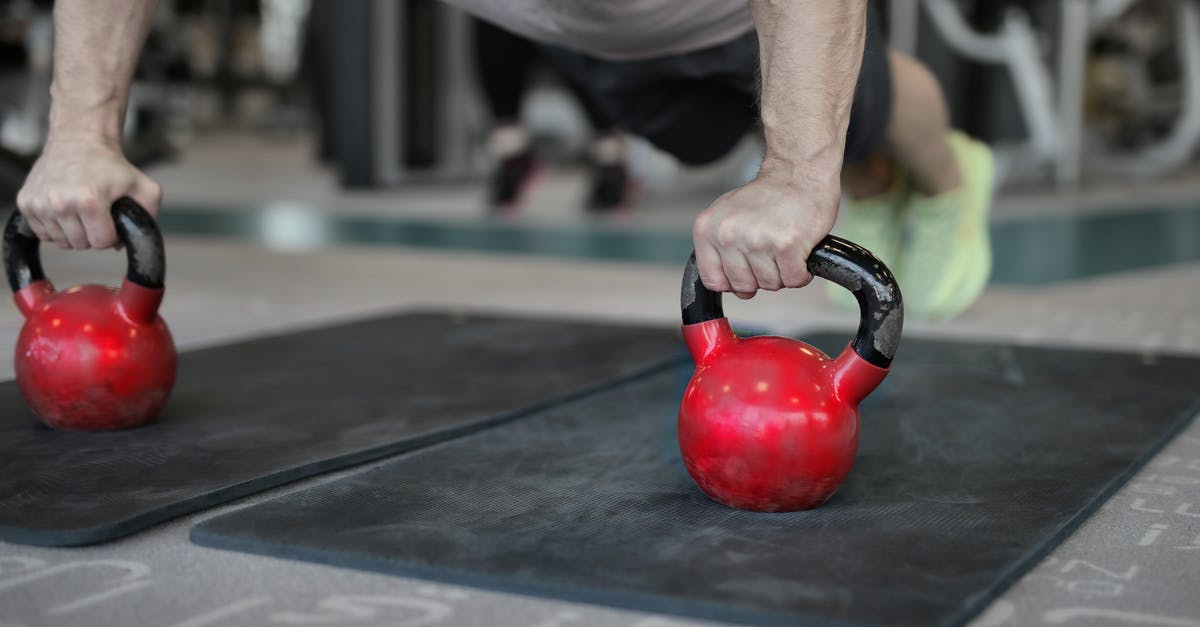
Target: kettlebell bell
[(93, 358), (771, 424)]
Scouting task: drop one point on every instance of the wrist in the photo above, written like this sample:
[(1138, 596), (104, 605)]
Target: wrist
[(78, 141), (98, 118), (77, 136), (820, 170)]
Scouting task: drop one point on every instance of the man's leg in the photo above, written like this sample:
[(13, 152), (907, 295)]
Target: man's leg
[(947, 256), (611, 188), (502, 63), (934, 184), (918, 119)]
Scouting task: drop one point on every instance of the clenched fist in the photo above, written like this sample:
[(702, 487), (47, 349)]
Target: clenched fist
[(68, 194), (759, 236)]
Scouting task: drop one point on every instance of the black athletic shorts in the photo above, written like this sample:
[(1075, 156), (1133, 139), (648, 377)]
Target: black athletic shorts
[(698, 105)]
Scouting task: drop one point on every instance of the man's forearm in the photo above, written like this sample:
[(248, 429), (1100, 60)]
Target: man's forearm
[(810, 53), (96, 48)]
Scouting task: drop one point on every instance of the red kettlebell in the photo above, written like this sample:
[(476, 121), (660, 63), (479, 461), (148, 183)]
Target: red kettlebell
[(770, 424), (93, 358)]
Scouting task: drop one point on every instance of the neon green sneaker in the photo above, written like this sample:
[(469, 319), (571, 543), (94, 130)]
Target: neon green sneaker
[(946, 257), (873, 223)]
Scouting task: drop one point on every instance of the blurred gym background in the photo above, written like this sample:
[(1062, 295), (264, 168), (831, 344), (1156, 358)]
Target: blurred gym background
[(300, 124)]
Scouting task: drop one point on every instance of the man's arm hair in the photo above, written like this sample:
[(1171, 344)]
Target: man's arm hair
[(810, 53), (96, 48)]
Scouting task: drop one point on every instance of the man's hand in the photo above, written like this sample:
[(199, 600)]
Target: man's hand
[(759, 236), (69, 192)]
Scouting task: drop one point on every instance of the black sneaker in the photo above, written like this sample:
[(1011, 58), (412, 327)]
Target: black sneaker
[(610, 188), (511, 179)]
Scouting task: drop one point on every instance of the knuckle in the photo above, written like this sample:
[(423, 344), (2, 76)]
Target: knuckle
[(33, 204), (60, 207), (786, 243), (87, 202), (742, 284), (728, 234), (703, 225), (758, 240)]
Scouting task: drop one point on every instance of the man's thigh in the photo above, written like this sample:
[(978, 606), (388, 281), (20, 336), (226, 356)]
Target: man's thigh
[(696, 106)]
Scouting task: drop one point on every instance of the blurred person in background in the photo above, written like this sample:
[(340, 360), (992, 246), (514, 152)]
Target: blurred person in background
[(834, 108), (505, 63)]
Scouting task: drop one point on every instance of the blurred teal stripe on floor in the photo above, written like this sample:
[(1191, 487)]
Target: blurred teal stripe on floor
[(1052, 249), (1028, 251)]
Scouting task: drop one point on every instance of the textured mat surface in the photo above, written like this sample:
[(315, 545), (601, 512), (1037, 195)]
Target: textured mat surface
[(975, 461), (250, 416)]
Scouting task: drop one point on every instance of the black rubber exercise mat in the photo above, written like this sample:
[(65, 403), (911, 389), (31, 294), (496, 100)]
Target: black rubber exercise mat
[(975, 461), (256, 414)]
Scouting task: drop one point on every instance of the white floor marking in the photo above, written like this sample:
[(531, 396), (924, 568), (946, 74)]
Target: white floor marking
[(561, 618), (136, 570), (78, 604), (216, 615), (22, 564), (1065, 614), (343, 608)]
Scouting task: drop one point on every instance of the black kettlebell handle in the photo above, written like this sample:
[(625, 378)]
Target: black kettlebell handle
[(135, 228), (843, 262)]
